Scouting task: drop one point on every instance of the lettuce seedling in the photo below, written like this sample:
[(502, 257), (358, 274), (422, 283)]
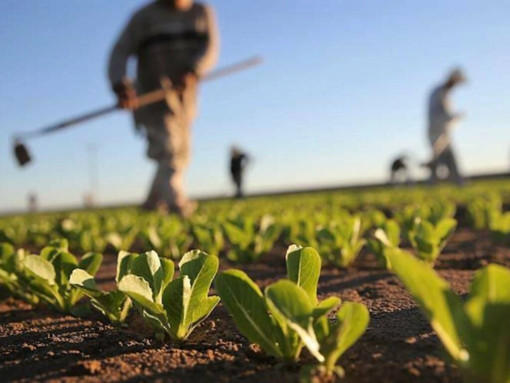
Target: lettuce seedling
[(115, 305), (287, 316), (123, 239), (176, 306), (500, 227), (335, 337), (259, 317), (209, 236), (429, 240), (386, 236), (169, 238), (10, 268), (475, 333), (250, 241), (341, 243), (47, 275), (481, 210)]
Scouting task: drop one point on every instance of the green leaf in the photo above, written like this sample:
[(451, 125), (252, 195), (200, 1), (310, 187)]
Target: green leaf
[(441, 307), (64, 263), (201, 268), (303, 268), (326, 306), (168, 271), (148, 266), (176, 301), (124, 261), (91, 262), (205, 309), (445, 228), (185, 299), (6, 249), (293, 310), (492, 284), (40, 268), (353, 320), (80, 278), (245, 303), (139, 290)]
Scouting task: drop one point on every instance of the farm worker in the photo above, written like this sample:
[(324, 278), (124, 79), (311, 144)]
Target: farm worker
[(238, 162), (175, 43), (441, 121)]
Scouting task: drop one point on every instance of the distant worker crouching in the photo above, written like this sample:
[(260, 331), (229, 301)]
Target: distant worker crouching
[(175, 43), (399, 170), (441, 121), (238, 162)]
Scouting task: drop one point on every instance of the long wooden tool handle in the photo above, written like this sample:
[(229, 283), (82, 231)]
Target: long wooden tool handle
[(65, 124), (160, 94), (143, 100)]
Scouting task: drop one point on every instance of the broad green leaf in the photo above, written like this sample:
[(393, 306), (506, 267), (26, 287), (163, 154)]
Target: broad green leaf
[(326, 306), (392, 230), (245, 302), (64, 263), (382, 237), (124, 261), (176, 301), (291, 249), (148, 266), (6, 249), (492, 284), (353, 320), (445, 228), (205, 309), (91, 262), (168, 271), (80, 278), (293, 310), (442, 308), (139, 290), (40, 268), (303, 268), (201, 268)]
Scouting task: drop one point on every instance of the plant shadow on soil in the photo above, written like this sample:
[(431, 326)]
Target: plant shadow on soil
[(399, 345)]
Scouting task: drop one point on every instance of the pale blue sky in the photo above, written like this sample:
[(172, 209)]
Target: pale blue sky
[(342, 90)]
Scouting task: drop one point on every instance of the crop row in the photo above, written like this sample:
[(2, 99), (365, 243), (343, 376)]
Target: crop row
[(243, 235), (283, 319)]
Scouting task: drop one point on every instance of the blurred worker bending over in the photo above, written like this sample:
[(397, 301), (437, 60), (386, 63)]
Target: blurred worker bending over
[(441, 122), (175, 43)]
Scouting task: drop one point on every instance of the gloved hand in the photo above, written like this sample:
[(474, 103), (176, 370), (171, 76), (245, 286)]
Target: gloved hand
[(126, 94)]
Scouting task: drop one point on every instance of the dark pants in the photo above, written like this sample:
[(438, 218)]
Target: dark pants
[(446, 159), (237, 177)]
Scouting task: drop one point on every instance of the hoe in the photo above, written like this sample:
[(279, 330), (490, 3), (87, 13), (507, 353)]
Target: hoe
[(22, 153)]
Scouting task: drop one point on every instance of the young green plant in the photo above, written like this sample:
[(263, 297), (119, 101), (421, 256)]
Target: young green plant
[(385, 236), (475, 332), (429, 239), (341, 243), (115, 305), (47, 275), (10, 268), (175, 307), (288, 315)]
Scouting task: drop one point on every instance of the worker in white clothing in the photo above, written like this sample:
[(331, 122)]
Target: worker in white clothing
[(441, 121)]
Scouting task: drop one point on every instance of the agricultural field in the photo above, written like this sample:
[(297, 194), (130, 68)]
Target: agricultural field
[(382, 285)]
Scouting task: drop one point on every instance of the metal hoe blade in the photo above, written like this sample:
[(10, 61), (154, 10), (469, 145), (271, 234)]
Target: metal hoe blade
[(22, 154)]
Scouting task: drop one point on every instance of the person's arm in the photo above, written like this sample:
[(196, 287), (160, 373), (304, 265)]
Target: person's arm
[(209, 55), (123, 49)]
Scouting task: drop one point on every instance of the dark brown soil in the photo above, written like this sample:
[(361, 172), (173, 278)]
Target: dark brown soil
[(37, 344)]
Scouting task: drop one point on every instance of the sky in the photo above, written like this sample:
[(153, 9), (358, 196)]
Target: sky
[(342, 91)]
